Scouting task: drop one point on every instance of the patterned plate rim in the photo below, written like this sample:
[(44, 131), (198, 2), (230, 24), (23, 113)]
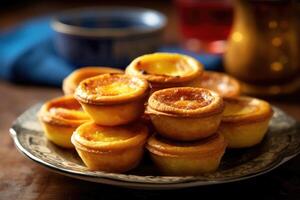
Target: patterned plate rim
[(134, 180)]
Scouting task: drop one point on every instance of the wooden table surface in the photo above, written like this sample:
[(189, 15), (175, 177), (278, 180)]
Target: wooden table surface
[(21, 178)]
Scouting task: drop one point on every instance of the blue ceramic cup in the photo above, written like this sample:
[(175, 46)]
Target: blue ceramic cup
[(107, 36)]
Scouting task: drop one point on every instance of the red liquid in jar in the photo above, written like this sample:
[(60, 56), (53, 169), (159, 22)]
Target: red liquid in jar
[(205, 20)]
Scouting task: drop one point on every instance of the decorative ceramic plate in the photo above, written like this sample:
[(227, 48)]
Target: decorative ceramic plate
[(280, 145)]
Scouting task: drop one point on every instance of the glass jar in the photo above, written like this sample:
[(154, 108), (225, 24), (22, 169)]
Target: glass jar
[(264, 46)]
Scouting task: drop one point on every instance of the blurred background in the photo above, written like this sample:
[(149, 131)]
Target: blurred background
[(256, 41), (33, 53), (184, 15)]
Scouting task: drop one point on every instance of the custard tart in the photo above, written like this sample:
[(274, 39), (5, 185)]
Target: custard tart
[(60, 117), (113, 99), (186, 158), (223, 84), (245, 121), (185, 113), (164, 70), (110, 149), (71, 82)]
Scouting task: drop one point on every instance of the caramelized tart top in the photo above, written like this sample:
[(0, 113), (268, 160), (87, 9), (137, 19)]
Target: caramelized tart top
[(165, 68), (205, 147), (185, 101), (221, 83), (64, 111), (72, 81), (111, 89), (93, 137), (246, 109)]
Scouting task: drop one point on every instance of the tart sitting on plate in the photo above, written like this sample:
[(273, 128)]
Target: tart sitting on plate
[(110, 149), (186, 158), (71, 82), (221, 83), (60, 117), (185, 113), (164, 70), (245, 121), (113, 99)]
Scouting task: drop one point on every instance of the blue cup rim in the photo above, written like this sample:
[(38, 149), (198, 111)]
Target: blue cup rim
[(154, 21)]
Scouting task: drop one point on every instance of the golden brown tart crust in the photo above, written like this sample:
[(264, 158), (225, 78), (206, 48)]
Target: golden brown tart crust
[(108, 89), (221, 83), (168, 68), (248, 110), (72, 81), (203, 147), (185, 101), (63, 111)]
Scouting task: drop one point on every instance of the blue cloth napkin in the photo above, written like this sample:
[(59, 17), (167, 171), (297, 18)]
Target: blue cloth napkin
[(27, 55)]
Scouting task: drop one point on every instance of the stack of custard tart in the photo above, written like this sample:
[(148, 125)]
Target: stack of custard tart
[(163, 102)]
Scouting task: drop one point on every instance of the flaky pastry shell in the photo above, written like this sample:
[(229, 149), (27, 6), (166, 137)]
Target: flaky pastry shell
[(186, 158), (245, 121), (164, 70), (113, 99), (110, 149), (71, 82), (60, 117), (223, 84), (185, 113)]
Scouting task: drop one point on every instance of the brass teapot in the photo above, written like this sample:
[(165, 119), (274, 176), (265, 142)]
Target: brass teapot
[(263, 49)]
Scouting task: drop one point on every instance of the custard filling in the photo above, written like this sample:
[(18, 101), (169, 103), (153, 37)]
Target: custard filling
[(163, 68), (70, 114), (185, 100), (63, 111), (86, 75), (107, 134), (112, 86), (216, 82), (169, 66), (246, 109), (88, 72), (235, 109), (107, 138)]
